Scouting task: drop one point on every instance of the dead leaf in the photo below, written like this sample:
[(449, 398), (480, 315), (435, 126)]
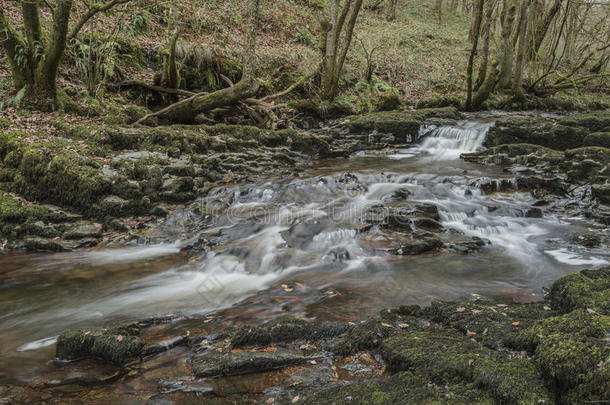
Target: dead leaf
[(502, 305), (403, 325), (313, 362), (476, 311), (294, 384), (460, 309), (236, 351), (592, 311), (271, 349), (546, 308), (270, 401), (295, 399), (119, 338), (470, 333), (516, 323), (387, 325), (471, 362), (484, 332)]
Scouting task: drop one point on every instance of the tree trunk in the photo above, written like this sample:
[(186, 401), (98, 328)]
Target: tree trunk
[(170, 77), (488, 86), (11, 42), (45, 86), (542, 28), (486, 29), (475, 43), (517, 87), (506, 65), (187, 110)]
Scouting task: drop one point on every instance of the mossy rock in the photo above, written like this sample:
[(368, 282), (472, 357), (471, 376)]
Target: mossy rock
[(366, 335), (445, 355), (117, 344), (494, 325), (216, 364), (598, 139), (402, 388), (286, 331), (439, 101), (589, 289)]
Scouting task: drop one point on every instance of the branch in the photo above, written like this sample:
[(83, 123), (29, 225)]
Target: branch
[(98, 8), (160, 89)]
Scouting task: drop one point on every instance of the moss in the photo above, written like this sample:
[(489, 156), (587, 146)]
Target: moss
[(598, 139), (402, 388), (75, 344), (489, 324), (589, 289), (444, 355), (213, 363), (286, 331), (117, 349), (439, 101), (364, 336)]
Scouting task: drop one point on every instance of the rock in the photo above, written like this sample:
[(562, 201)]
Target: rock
[(364, 336), (83, 230), (338, 255), (586, 239), (589, 289), (444, 355), (286, 331), (183, 384), (116, 345), (420, 246), (36, 244), (215, 364), (533, 213), (601, 192)]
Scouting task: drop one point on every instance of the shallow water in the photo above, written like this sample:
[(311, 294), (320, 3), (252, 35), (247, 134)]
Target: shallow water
[(295, 246)]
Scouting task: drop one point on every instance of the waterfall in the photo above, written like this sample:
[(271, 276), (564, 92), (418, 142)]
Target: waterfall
[(449, 142)]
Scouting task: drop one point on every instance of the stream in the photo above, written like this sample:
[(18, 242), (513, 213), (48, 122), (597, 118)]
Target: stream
[(301, 246)]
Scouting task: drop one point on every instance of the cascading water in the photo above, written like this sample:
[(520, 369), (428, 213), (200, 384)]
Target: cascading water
[(257, 237)]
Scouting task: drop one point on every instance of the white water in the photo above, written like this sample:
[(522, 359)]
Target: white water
[(276, 231)]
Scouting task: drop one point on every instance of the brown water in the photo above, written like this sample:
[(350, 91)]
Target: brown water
[(291, 246)]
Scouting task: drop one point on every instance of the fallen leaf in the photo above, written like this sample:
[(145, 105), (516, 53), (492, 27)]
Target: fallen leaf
[(475, 295), (294, 384), (485, 332), (387, 325), (460, 309), (270, 401), (271, 349), (119, 338), (348, 398), (333, 379), (236, 351), (502, 305), (546, 308), (516, 323), (476, 311), (295, 399), (471, 362), (470, 333), (313, 362), (592, 311), (403, 325)]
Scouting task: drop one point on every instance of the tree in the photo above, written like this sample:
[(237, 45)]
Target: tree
[(475, 43), (186, 110), (34, 56), (335, 43)]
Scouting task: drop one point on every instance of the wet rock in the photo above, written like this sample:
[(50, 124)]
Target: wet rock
[(286, 331), (116, 345), (301, 384), (165, 345), (41, 229), (183, 384), (467, 246), (302, 233), (216, 364), (601, 192), (338, 255), (419, 246), (402, 194), (84, 230), (533, 213), (35, 244), (586, 239)]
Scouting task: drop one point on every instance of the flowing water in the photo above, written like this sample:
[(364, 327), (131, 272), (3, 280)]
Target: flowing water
[(298, 246)]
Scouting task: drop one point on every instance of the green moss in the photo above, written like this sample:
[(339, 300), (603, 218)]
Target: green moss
[(402, 388), (117, 349), (589, 289), (364, 336), (598, 139), (444, 356)]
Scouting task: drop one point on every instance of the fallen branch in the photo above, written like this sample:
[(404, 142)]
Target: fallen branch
[(160, 89)]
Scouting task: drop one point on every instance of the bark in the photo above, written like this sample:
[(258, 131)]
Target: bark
[(14, 45), (506, 65), (45, 87), (542, 27), (517, 85), (170, 77), (488, 86), (475, 43), (91, 12), (486, 29)]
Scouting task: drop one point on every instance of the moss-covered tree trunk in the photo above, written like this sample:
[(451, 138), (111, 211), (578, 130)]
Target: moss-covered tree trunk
[(473, 51), (34, 57), (517, 80), (509, 11)]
